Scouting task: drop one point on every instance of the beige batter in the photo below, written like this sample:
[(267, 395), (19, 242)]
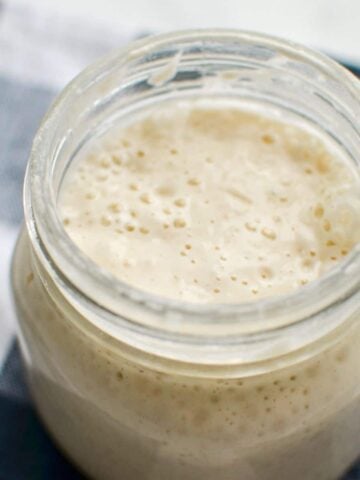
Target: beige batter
[(211, 204)]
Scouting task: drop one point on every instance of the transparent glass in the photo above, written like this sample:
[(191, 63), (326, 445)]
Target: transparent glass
[(136, 386)]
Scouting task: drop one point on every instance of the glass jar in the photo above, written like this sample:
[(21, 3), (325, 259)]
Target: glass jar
[(135, 386)]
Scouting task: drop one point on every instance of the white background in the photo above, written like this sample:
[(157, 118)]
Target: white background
[(331, 25)]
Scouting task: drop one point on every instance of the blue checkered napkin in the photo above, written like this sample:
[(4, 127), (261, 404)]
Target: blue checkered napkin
[(26, 451)]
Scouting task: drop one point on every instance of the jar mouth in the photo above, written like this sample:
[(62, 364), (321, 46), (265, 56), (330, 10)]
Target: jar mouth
[(76, 272)]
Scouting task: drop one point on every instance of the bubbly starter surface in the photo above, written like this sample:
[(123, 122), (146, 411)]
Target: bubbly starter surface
[(211, 204)]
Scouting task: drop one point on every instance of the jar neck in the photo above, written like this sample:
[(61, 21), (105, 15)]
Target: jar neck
[(219, 63)]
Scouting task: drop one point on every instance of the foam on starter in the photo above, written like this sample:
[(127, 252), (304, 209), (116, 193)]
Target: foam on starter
[(211, 204)]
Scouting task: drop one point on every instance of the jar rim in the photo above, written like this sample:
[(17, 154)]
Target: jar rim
[(46, 229)]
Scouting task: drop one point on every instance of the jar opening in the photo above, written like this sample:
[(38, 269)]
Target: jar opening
[(265, 69)]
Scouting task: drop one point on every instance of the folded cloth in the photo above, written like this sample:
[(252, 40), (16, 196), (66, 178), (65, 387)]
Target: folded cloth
[(26, 450)]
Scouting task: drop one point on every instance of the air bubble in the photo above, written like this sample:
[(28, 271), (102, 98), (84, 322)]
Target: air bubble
[(319, 211), (114, 207), (268, 233), (268, 139), (322, 165), (193, 181), (105, 221), (251, 227), (179, 223), (105, 163), (266, 272), (327, 226), (145, 198), (116, 160), (165, 190), (180, 202), (238, 195), (342, 355)]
